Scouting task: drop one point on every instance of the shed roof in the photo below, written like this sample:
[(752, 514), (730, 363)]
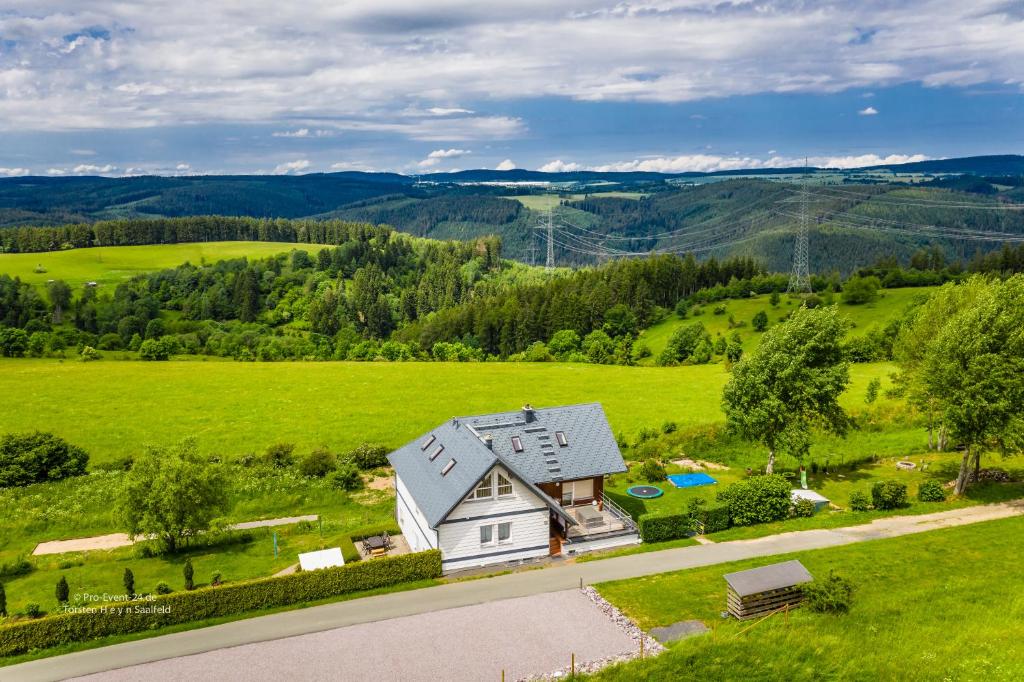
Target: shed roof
[(800, 493), (767, 578)]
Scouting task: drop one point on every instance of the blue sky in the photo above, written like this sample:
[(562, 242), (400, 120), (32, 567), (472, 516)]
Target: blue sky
[(119, 88)]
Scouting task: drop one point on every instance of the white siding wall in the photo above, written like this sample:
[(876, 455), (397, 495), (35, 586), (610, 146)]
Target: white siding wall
[(459, 534), (414, 525)]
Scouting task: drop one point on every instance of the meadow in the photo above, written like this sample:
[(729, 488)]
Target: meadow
[(114, 264), (941, 605), (890, 305), (114, 408)]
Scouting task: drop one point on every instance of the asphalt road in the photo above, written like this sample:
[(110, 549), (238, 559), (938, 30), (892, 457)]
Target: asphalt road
[(481, 591)]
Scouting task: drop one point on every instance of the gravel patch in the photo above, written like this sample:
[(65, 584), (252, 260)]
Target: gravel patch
[(522, 637), (651, 646)]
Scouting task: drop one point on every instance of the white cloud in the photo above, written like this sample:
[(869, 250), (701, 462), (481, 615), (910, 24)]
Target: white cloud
[(559, 166), (708, 163), (183, 167), (868, 111), (328, 65), (303, 132), (448, 111), (93, 169), (56, 171), (14, 172), (435, 157), (352, 166), (507, 164), (291, 167)]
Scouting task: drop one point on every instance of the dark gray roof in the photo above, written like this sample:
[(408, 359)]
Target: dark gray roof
[(767, 578), (591, 448), (590, 451)]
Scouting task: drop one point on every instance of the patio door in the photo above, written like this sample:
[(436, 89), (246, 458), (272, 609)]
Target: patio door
[(573, 491)]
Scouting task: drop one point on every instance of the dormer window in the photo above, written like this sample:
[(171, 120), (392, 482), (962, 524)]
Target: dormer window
[(560, 437), (435, 453), (517, 444)]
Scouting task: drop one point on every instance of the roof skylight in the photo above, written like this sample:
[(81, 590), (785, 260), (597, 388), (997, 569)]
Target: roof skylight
[(428, 441), (560, 437), (517, 443), (436, 452), (447, 467)]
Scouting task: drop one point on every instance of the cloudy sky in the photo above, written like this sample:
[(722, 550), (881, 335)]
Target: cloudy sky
[(193, 86)]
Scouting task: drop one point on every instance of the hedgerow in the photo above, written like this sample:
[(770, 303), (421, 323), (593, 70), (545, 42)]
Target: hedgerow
[(663, 527), (212, 602)]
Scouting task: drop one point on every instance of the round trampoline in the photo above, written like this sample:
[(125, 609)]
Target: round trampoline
[(644, 492)]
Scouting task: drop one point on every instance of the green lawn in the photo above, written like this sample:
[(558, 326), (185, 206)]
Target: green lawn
[(942, 605), (113, 408), (114, 264), (890, 305), (81, 507)]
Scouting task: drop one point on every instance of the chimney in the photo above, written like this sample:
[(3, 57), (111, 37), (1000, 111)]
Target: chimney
[(488, 441), (528, 413)]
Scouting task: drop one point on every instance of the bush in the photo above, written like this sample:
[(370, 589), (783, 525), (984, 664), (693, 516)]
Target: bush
[(760, 321), (280, 455), (664, 527), (227, 600), (188, 572), (803, 508), (27, 458), (163, 588), (33, 610), (18, 567), (888, 494), (652, 470), (931, 491), (831, 595), (759, 499), (88, 354), (156, 349), (859, 501), (669, 427), (318, 463), (859, 290), (368, 456), (346, 477)]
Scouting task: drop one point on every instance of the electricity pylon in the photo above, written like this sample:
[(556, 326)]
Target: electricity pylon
[(800, 277)]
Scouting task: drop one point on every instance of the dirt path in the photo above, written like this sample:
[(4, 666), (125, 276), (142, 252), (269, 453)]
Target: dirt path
[(115, 540)]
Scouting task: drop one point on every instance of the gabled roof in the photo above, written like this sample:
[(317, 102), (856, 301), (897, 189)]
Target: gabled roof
[(590, 451)]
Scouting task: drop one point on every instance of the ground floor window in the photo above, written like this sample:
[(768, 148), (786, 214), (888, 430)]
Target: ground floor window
[(486, 535), (504, 532)]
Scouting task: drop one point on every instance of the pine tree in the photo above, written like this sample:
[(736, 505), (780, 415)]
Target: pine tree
[(186, 570), (62, 590), (129, 583), (3, 601)]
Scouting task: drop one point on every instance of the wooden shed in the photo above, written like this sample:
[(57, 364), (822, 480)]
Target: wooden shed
[(760, 591)]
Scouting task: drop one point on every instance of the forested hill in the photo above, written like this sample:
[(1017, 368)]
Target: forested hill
[(856, 216)]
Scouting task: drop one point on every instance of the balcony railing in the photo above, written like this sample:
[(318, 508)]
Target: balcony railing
[(617, 511)]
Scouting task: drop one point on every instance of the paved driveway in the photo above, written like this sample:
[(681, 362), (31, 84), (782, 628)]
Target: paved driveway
[(523, 636)]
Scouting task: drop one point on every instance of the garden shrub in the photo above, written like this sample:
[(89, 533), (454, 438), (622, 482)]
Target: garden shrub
[(803, 508), (163, 588), (280, 455), (714, 517), (664, 527), (834, 594), (368, 456), (859, 501), (346, 477), (27, 458), (318, 463), (931, 491), (758, 499), (226, 600), (18, 567), (652, 470), (888, 494)]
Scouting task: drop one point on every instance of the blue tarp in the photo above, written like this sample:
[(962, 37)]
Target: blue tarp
[(690, 480)]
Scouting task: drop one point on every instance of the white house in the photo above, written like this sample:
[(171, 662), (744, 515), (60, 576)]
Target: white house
[(507, 487)]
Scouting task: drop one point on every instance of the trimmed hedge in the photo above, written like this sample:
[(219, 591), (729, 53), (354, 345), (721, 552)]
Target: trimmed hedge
[(715, 518), (663, 527), (213, 602)]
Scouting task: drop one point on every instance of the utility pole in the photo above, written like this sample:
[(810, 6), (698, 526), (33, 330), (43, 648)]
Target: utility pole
[(551, 244), (800, 277)]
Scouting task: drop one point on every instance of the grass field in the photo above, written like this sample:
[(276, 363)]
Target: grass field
[(113, 408), (889, 306), (542, 202), (113, 264), (942, 605)]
